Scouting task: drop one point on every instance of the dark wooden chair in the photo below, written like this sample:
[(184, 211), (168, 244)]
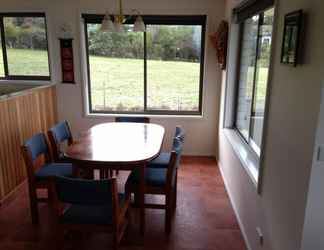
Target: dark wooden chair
[(89, 206), (162, 161), (39, 170), (161, 181), (58, 135), (136, 119)]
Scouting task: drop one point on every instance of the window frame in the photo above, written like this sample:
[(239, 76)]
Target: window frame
[(7, 76), (249, 142), (149, 20)]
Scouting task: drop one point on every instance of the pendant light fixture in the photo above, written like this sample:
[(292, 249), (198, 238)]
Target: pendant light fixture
[(108, 25)]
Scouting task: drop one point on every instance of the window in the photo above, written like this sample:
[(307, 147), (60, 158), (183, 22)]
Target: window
[(23, 53), (253, 77), (159, 71)]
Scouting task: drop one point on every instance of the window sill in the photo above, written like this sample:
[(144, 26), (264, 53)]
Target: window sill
[(97, 115), (27, 82), (248, 158)]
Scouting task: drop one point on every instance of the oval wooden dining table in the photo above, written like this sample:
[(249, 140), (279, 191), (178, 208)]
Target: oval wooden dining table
[(118, 146)]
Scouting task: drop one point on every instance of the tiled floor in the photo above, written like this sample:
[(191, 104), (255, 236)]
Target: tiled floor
[(204, 219)]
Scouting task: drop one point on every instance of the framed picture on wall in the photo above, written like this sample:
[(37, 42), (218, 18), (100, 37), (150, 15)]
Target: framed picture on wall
[(291, 37), (67, 60)]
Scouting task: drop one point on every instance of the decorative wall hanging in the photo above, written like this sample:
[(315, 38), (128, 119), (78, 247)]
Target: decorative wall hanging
[(219, 42), (65, 31), (291, 37), (67, 60)]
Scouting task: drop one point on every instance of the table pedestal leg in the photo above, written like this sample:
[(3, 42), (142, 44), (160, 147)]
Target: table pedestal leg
[(142, 199)]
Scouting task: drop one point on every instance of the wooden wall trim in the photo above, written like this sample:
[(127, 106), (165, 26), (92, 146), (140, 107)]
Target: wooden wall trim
[(21, 117)]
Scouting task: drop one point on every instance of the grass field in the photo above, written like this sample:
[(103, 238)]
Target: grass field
[(26, 62), (118, 84)]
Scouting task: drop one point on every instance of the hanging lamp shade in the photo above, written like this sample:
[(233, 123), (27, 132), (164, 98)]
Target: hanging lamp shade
[(107, 25), (139, 25)]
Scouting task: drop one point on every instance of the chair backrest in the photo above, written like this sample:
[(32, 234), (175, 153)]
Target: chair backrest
[(175, 158), (36, 146), (178, 141), (132, 119), (32, 149), (84, 192), (58, 134)]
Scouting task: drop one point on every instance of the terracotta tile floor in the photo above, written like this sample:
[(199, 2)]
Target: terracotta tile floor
[(204, 219)]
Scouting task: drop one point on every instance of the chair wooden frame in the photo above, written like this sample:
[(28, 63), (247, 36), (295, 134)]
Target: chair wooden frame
[(55, 145), (33, 183), (145, 119), (169, 190), (120, 218)]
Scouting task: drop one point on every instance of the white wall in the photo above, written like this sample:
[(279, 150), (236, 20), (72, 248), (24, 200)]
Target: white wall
[(314, 217), (294, 104), (201, 132)]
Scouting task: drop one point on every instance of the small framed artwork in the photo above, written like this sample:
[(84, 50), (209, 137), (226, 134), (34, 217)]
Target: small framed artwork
[(291, 37), (67, 60)]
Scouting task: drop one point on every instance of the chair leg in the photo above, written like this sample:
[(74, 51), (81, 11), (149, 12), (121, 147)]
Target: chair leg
[(175, 193), (168, 213), (115, 239), (105, 173), (174, 200), (59, 238), (137, 199), (129, 221), (33, 205), (102, 174)]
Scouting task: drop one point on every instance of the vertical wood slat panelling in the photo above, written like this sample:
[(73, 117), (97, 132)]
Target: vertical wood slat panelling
[(20, 118), (3, 158)]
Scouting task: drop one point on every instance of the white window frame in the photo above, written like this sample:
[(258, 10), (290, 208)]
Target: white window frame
[(251, 161)]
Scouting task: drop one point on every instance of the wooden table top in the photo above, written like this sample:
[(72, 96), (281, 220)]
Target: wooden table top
[(118, 143)]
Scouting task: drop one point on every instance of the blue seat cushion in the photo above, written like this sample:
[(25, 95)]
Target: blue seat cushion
[(90, 214), (54, 169), (162, 161), (155, 177)]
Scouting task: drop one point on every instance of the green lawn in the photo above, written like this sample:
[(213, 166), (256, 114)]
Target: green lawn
[(26, 62), (118, 84)]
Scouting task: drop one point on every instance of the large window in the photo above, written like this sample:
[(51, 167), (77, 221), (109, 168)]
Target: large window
[(159, 71), (23, 51), (253, 77)]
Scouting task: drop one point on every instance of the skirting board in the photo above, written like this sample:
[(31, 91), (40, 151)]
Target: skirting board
[(235, 209)]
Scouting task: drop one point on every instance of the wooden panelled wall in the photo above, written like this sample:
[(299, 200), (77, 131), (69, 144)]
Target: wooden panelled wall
[(20, 118)]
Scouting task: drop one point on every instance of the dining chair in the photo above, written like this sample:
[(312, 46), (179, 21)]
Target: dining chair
[(162, 161), (40, 168), (160, 181), (88, 206), (58, 135), (137, 119)]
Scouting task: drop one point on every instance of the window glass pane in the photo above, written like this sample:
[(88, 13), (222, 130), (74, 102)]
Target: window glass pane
[(2, 74), (261, 79), (246, 75), (116, 69), (173, 67), (26, 45)]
